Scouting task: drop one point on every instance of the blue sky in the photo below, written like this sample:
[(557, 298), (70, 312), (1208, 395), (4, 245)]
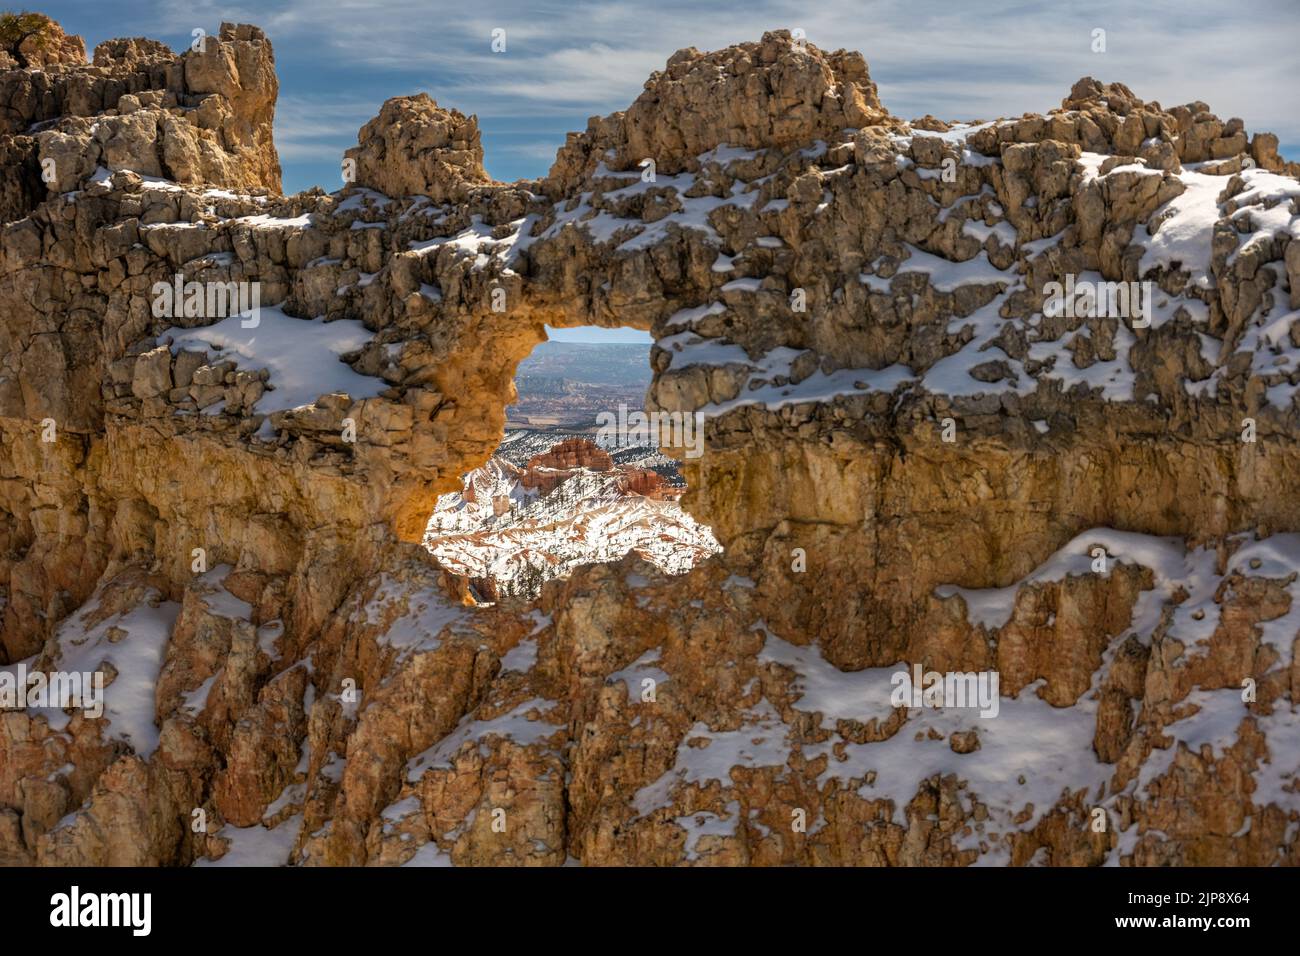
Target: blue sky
[(338, 60), (591, 333)]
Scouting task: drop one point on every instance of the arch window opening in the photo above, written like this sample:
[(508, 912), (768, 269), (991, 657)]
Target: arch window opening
[(564, 489)]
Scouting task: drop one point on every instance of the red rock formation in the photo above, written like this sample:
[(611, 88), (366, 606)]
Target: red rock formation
[(573, 453), (551, 468), (651, 484)]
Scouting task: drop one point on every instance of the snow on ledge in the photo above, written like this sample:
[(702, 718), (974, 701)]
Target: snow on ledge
[(302, 355)]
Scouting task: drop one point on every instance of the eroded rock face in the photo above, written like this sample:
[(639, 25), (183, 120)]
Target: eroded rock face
[(909, 456), (203, 116), (414, 148), (774, 93)]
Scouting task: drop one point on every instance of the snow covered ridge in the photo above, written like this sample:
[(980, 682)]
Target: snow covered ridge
[(1028, 762), (981, 250), (1175, 284), (511, 529), (800, 744)]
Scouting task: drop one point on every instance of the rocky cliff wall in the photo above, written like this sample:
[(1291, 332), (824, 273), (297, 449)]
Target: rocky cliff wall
[(909, 457)]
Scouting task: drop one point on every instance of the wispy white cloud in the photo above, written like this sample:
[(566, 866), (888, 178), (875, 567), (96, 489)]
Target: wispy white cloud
[(320, 127), (992, 57), (563, 59)]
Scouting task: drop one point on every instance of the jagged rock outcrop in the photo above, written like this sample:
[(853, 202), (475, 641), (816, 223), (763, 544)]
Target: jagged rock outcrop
[(774, 93), (201, 117), (415, 148), (909, 456), (33, 41)]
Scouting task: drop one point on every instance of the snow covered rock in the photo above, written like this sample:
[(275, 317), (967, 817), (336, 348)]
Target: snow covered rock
[(918, 449)]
